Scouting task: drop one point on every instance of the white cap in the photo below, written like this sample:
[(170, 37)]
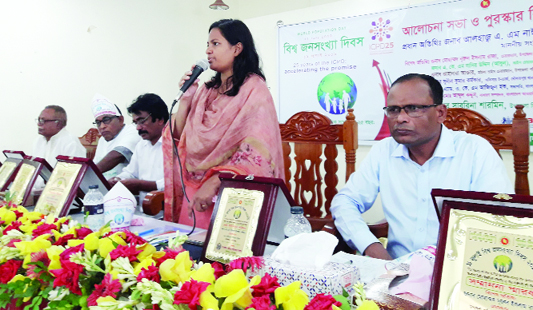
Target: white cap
[(103, 106)]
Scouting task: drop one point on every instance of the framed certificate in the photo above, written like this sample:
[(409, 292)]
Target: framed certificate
[(484, 252), (234, 228), (30, 169)]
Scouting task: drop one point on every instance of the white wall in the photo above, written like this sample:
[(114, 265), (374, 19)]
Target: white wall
[(64, 51)]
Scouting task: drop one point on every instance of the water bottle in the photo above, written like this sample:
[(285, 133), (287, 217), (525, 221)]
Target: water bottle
[(297, 223), (94, 208)]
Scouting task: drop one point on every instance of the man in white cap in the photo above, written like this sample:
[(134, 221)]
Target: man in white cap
[(54, 139), (114, 151)]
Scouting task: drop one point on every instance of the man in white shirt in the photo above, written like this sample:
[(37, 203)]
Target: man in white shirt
[(54, 139), (422, 154), (145, 171), (115, 148)]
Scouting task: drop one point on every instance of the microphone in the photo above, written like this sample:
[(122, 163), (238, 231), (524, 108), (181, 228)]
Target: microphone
[(201, 66)]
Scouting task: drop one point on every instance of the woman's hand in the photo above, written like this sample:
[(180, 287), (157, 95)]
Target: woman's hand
[(192, 89), (203, 198)]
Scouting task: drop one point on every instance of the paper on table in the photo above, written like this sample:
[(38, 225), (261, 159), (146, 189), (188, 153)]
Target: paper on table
[(419, 281), (311, 250)]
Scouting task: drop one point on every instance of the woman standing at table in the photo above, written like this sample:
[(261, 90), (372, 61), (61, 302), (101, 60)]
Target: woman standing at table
[(228, 124)]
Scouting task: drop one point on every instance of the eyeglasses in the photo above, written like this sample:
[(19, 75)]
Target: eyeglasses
[(411, 110), (42, 121), (106, 120), (141, 121)]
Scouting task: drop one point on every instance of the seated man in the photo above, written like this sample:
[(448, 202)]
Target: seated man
[(145, 172), (114, 151), (54, 138), (422, 154)]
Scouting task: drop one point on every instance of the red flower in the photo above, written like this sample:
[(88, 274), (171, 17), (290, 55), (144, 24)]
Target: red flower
[(219, 269), (109, 287), (132, 238), (322, 302), (18, 214), (9, 269), (38, 257), (68, 276), (169, 254), (65, 256), (2, 222), (129, 252), (190, 293), (11, 242), (262, 303), (246, 262), (267, 286), (64, 239), (83, 232), (43, 229), (14, 225), (152, 274)]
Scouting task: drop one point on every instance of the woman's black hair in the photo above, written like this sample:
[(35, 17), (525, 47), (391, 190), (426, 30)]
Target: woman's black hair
[(247, 62)]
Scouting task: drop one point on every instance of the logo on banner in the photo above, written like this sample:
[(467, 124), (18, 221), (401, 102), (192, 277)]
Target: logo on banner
[(380, 34), (503, 263), (336, 93)]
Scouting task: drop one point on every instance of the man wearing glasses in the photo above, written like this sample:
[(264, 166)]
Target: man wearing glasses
[(115, 148), (54, 139), (145, 171), (422, 154)]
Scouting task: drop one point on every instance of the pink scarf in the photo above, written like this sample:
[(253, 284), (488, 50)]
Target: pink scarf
[(237, 134)]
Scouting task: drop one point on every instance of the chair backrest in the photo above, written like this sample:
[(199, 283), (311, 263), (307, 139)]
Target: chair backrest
[(513, 137), (90, 141), (313, 134)]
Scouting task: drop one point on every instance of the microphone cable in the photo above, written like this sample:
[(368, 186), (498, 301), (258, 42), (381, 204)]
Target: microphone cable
[(175, 150)]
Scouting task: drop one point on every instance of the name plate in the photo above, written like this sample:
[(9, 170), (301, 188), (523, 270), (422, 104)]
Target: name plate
[(58, 188), (484, 258), (235, 224)]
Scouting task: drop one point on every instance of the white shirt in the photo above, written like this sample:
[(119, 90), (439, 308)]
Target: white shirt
[(461, 161), (124, 143), (146, 164), (62, 143)]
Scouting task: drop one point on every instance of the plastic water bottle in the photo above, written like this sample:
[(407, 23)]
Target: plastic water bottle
[(94, 207), (297, 223)]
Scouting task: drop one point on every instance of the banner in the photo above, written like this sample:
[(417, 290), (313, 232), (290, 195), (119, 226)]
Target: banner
[(480, 51)]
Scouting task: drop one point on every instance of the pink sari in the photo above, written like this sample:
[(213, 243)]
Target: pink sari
[(237, 134)]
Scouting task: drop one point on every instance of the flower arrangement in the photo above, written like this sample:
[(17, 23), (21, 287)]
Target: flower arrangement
[(56, 263)]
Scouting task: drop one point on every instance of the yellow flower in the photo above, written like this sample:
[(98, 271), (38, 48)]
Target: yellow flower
[(28, 247), (291, 296), (53, 254), (28, 228), (236, 289), (28, 217), (147, 250), (7, 216), (106, 245), (368, 305), (101, 301), (92, 241), (145, 263), (206, 273), (207, 300), (178, 269)]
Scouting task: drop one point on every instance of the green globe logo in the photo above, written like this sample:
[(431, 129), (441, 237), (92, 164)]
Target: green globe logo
[(503, 263), (237, 214), (336, 93)]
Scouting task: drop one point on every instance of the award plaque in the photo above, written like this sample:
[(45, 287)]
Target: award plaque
[(9, 169), (235, 226), (30, 169), (249, 213), (70, 179), (484, 254), (58, 188)]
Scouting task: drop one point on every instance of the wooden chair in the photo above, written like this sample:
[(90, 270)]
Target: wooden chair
[(90, 141), (313, 134), (513, 137)]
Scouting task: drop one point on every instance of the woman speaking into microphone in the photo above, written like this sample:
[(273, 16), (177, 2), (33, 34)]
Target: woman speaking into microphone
[(228, 124)]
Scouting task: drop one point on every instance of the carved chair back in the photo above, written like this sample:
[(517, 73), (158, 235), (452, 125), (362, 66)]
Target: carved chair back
[(90, 141), (513, 137), (314, 135)]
